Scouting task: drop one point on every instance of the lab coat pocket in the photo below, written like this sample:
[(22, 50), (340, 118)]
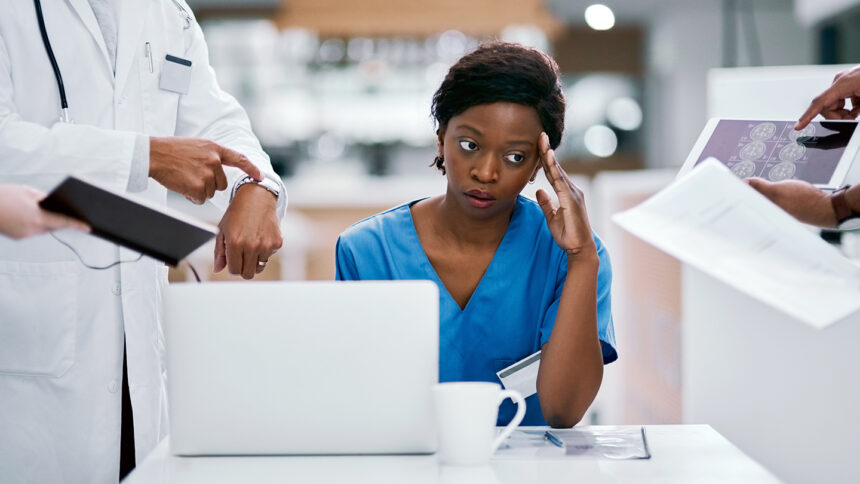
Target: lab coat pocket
[(160, 107), (38, 319)]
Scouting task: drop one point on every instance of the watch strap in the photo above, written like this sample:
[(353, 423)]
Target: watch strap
[(840, 206), (269, 185)]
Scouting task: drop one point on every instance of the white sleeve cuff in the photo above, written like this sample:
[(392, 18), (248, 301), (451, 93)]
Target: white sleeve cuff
[(138, 178)]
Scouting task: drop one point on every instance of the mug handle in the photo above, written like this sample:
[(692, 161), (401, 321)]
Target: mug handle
[(521, 412)]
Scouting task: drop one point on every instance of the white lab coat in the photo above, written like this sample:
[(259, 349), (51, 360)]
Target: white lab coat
[(61, 325)]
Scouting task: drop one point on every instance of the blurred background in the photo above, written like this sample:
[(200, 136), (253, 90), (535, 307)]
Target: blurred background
[(339, 92)]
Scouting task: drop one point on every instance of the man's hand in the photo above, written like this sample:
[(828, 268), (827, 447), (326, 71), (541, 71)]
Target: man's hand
[(21, 216), (249, 232), (831, 102), (800, 199), (193, 167)]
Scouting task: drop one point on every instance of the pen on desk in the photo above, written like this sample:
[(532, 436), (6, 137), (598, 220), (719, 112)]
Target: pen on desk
[(552, 438), (645, 445), (149, 56)]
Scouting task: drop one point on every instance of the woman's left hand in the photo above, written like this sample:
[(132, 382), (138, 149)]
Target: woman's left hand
[(568, 223)]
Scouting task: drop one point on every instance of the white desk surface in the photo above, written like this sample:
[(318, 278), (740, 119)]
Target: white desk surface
[(680, 453)]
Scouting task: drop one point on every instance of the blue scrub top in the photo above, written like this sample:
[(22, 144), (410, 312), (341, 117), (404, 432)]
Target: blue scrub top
[(512, 311)]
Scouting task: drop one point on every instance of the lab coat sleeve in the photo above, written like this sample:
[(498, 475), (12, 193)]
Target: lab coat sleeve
[(29, 150), (208, 112)]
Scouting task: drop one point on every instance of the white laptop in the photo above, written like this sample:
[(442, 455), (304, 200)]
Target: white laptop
[(302, 367)]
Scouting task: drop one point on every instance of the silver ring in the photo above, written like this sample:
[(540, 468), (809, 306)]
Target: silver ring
[(261, 263)]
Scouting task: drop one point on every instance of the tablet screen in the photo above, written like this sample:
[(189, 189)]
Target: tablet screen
[(773, 150)]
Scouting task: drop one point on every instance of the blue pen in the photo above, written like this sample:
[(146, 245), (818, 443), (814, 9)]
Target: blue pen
[(552, 438)]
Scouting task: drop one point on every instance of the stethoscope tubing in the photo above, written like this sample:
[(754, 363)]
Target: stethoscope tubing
[(64, 104)]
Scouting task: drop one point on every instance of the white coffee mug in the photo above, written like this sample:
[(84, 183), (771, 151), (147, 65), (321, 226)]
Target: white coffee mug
[(466, 414)]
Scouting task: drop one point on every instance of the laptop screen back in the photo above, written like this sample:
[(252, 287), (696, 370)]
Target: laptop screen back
[(302, 367)]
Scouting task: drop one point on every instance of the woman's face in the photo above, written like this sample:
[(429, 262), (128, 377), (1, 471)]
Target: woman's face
[(490, 153)]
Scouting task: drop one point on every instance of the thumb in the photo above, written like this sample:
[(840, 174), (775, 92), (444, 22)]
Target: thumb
[(220, 254), (54, 221), (762, 186), (545, 203), (757, 183)]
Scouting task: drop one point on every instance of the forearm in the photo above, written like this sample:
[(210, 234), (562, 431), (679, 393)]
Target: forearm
[(571, 368)]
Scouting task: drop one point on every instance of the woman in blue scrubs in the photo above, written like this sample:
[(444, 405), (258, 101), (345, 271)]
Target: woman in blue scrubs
[(514, 276)]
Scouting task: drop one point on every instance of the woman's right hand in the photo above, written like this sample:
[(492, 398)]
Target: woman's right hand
[(21, 216), (569, 222)]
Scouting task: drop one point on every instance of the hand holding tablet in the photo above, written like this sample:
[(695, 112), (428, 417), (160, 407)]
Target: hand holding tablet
[(124, 219)]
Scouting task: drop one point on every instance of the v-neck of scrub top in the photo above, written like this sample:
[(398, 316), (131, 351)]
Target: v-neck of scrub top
[(431, 271)]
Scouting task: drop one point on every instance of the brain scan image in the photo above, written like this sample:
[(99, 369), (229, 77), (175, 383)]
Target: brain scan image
[(792, 152), (762, 131), (782, 171), (774, 150), (744, 169), (809, 130), (752, 151)]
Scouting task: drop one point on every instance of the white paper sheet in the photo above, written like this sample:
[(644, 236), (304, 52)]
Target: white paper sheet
[(718, 224)]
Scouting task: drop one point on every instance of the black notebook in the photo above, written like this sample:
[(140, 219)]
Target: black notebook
[(138, 224)]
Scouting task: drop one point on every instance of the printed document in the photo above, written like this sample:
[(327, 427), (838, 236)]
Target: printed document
[(718, 224)]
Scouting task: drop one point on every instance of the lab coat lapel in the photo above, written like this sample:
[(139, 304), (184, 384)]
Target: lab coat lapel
[(85, 13), (132, 19)]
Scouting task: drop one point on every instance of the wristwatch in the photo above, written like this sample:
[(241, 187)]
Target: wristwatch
[(269, 185), (846, 217)]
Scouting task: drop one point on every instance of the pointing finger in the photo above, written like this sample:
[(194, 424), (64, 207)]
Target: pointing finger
[(559, 182), (232, 158), (826, 101), (542, 148), (807, 116)]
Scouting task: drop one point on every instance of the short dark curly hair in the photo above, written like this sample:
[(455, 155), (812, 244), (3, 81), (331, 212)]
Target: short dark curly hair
[(502, 71)]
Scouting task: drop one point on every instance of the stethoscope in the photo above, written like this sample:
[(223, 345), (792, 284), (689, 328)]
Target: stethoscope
[(64, 103)]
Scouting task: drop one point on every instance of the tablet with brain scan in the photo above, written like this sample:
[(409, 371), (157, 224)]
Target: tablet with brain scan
[(822, 153)]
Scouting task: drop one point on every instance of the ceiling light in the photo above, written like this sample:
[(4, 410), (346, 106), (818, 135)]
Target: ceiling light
[(599, 17), (600, 140)]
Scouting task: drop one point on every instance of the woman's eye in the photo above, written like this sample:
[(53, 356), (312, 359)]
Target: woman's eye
[(468, 145), (515, 157)]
